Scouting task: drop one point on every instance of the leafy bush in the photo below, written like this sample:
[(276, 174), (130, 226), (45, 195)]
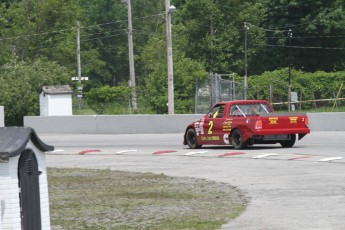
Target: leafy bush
[(20, 86), (108, 99), (309, 86)]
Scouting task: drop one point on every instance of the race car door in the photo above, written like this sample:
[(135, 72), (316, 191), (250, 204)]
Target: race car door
[(213, 133)]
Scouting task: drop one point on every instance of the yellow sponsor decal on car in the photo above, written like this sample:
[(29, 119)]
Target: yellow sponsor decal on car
[(210, 138), (273, 120), (293, 120), (227, 125)]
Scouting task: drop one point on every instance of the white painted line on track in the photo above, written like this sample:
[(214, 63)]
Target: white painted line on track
[(127, 151), (101, 153), (327, 159), (194, 153), (57, 150), (265, 155)]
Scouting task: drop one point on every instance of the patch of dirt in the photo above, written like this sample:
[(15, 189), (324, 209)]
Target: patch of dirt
[(104, 199)]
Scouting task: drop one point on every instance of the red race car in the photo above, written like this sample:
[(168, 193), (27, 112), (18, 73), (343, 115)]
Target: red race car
[(246, 122)]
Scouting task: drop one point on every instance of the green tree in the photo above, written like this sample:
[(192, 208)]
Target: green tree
[(20, 86), (148, 21), (105, 30), (186, 72), (214, 31), (316, 42), (39, 29)]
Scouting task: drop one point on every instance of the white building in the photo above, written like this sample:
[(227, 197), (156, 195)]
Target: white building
[(24, 201), (56, 100)]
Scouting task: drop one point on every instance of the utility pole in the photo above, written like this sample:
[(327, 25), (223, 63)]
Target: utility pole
[(131, 56), (78, 52), (80, 87), (79, 78), (168, 10), (289, 81), (245, 61)]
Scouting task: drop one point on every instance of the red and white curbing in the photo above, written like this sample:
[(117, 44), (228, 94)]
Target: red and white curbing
[(89, 151), (265, 155), (195, 153), (328, 159), (126, 151), (299, 158), (164, 152), (231, 154), (105, 152)]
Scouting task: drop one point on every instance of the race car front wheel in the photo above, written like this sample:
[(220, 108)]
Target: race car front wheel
[(191, 139)]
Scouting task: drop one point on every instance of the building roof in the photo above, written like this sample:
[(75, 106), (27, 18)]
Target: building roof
[(13, 141), (57, 89)]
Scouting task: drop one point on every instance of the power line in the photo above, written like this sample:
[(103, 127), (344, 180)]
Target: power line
[(287, 5), (308, 37), (302, 47), (119, 21), (90, 39), (72, 28), (283, 28), (36, 34), (103, 32), (277, 30), (108, 36), (146, 32)]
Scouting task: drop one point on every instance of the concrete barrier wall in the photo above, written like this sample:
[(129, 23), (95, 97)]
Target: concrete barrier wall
[(130, 124), (116, 124), (327, 121), (2, 116)]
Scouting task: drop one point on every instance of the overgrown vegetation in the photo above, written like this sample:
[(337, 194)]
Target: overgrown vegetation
[(309, 86), (105, 199), (208, 36), (20, 86)]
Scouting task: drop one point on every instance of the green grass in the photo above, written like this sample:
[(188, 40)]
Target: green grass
[(84, 112), (104, 199)]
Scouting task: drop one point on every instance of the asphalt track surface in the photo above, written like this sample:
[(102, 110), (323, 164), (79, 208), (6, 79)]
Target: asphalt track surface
[(298, 188)]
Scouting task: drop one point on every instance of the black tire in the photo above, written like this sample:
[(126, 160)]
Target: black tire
[(191, 139), (289, 143), (236, 140)]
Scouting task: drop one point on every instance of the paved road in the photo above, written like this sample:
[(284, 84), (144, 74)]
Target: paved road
[(298, 188)]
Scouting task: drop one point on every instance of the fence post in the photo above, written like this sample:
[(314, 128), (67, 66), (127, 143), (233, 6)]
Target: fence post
[(335, 101)]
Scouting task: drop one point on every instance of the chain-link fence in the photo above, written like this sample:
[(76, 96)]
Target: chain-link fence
[(219, 87), (224, 87), (302, 99), (228, 87)]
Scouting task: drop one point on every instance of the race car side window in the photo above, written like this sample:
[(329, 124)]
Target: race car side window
[(217, 111), (252, 109), (235, 111), (264, 108)]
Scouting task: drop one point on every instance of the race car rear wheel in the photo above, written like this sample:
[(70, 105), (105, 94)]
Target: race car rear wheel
[(191, 139), (289, 143), (236, 140)]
